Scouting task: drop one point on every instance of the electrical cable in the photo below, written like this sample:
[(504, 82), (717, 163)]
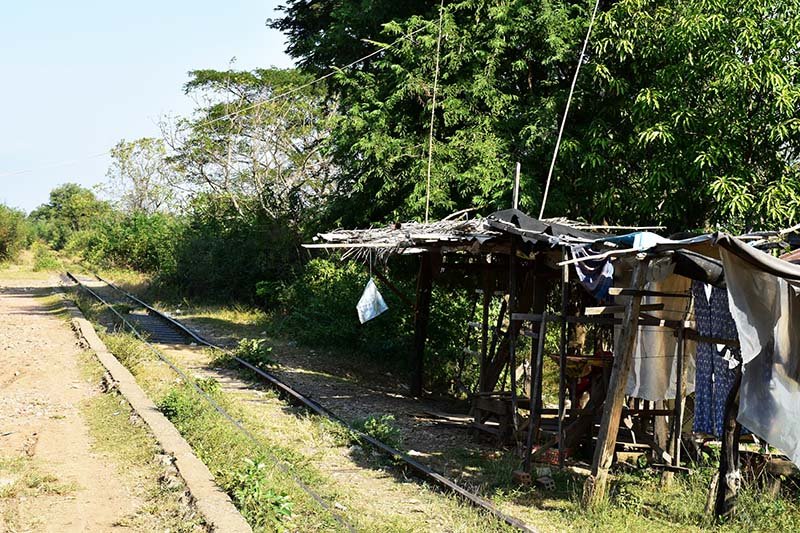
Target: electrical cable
[(566, 109), (239, 111), (433, 111)]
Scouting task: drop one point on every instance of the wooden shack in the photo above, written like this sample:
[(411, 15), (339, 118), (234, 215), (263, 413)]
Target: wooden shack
[(546, 275)]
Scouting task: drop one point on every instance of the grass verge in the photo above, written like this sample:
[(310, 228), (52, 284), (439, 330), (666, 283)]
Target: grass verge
[(118, 434)]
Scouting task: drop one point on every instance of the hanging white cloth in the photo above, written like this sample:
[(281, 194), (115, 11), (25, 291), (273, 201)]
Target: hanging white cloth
[(654, 371)]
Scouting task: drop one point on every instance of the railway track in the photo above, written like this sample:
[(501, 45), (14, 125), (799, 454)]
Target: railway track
[(155, 327)]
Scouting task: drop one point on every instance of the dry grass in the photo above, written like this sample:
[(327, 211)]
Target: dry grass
[(119, 437)]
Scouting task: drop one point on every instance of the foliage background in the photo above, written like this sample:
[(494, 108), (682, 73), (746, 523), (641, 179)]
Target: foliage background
[(686, 114)]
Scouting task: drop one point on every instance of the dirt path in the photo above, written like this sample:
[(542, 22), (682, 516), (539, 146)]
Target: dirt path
[(50, 479)]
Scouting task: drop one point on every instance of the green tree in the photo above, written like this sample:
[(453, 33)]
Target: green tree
[(14, 232), (686, 114), (252, 146), (326, 33), (689, 116), (504, 70), (71, 208)]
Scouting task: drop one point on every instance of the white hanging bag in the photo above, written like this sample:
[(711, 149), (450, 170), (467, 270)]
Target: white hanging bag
[(371, 303)]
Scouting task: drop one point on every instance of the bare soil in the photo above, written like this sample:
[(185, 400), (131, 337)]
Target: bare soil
[(41, 426)]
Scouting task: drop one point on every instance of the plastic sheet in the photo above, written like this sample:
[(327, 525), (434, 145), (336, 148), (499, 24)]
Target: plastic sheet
[(371, 303)]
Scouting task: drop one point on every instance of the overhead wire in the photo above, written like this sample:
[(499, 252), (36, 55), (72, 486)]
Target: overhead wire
[(53, 165), (566, 108), (284, 94), (433, 111)]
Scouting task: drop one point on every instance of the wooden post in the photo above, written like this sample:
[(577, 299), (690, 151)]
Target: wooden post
[(680, 387), (661, 433), (729, 474), (562, 366), (421, 314), (488, 288), (536, 390), (594, 489), (513, 331)]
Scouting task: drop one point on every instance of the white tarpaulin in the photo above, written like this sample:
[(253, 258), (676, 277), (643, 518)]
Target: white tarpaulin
[(371, 303), (766, 309)]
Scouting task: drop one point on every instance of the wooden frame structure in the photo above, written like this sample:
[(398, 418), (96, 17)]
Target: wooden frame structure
[(526, 260)]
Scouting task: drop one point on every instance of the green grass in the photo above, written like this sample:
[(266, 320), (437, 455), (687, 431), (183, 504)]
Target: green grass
[(22, 476), (311, 445), (25, 478), (267, 497)]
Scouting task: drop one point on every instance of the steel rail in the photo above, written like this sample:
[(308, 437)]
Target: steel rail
[(421, 470), (286, 469)]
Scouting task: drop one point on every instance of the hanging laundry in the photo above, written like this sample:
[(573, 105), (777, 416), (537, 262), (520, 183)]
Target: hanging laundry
[(597, 275), (371, 303), (715, 364), (654, 370), (766, 308)]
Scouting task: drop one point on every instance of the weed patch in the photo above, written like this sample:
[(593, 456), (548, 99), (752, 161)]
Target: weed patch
[(253, 492), (382, 428), (254, 351), (128, 350)]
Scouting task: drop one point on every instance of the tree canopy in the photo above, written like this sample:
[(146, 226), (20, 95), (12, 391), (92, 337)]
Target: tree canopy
[(686, 114)]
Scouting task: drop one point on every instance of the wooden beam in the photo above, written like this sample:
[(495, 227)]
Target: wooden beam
[(611, 309), (392, 287), (619, 291), (692, 335), (594, 489), (644, 319), (421, 313)]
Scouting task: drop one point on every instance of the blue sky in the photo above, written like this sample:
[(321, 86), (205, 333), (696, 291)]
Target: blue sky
[(79, 76)]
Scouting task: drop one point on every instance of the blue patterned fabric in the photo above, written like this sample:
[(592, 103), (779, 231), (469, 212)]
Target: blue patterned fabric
[(714, 377)]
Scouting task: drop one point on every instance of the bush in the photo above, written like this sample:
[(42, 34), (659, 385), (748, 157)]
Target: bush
[(14, 232), (222, 255), (139, 241), (319, 310), (44, 258)]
